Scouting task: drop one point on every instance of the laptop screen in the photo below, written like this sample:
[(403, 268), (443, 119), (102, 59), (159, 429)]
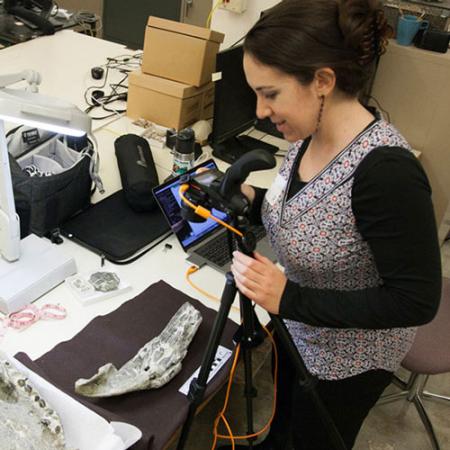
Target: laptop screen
[(168, 199)]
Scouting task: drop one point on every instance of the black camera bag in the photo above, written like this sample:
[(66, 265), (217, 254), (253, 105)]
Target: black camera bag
[(44, 202)]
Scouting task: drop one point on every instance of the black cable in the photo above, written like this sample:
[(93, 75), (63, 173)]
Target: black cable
[(114, 112), (386, 113), (102, 101), (134, 258), (115, 86), (238, 41), (104, 117), (118, 91), (96, 87)]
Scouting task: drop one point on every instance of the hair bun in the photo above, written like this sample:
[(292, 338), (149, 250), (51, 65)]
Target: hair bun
[(364, 28)]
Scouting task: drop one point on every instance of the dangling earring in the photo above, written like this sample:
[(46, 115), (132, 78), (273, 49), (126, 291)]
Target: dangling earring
[(319, 116)]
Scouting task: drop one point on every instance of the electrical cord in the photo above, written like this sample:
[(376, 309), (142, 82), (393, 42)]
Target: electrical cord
[(137, 256), (103, 101), (206, 214), (237, 42), (118, 91), (221, 415), (191, 271), (211, 13), (203, 212), (385, 112)]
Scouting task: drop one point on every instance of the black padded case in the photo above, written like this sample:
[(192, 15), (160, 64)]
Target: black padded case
[(113, 229), (137, 171)]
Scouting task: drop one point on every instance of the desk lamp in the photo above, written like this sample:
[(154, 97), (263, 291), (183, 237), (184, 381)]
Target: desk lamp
[(32, 266)]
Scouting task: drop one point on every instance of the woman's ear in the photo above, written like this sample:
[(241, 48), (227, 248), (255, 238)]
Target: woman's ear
[(324, 81)]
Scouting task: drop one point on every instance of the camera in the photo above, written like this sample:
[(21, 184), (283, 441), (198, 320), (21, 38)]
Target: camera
[(222, 191), (205, 190)]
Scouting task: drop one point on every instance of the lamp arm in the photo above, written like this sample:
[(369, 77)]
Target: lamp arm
[(32, 77), (9, 220)]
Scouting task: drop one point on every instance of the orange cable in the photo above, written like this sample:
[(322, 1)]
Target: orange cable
[(222, 412), (189, 272), (203, 212)]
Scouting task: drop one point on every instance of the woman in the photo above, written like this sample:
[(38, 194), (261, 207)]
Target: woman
[(349, 216)]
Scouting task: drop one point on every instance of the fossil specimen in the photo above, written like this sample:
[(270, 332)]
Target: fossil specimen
[(27, 422), (104, 281), (155, 364)]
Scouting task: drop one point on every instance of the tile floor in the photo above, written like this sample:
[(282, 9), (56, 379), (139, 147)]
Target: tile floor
[(393, 426)]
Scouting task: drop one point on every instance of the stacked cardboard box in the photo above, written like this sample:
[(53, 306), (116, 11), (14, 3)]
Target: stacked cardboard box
[(174, 87)]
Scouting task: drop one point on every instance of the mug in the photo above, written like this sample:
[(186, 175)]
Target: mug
[(407, 27)]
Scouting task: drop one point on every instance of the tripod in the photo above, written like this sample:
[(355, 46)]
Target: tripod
[(250, 338)]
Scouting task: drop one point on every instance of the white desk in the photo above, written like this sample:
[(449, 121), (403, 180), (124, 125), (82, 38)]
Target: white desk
[(65, 60)]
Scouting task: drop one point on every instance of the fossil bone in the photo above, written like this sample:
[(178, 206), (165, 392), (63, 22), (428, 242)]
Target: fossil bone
[(27, 421), (155, 364)]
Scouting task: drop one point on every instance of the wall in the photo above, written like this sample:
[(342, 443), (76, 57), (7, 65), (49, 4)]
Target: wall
[(94, 6), (413, 86), (235, 26)]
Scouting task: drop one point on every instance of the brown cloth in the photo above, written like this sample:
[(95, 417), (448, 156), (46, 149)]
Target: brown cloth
[(116, 338)]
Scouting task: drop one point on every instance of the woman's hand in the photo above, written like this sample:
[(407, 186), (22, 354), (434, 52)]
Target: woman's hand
[(248, 191), (259, 279)]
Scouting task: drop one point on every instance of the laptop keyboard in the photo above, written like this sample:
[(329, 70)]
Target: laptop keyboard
[(217, 250)]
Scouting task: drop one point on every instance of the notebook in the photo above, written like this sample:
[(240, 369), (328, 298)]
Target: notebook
[(205, 242)]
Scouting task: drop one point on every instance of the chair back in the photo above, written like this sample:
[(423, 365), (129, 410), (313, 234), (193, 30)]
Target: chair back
[(430, 352)]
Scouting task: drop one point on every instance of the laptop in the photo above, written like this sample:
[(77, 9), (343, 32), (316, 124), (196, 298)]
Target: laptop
[(204, 242)]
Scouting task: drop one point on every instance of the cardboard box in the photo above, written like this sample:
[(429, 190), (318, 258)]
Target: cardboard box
[(166, 102), (179, 51)]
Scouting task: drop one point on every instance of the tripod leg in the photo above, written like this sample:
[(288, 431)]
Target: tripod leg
[(198, 385), (249, 339), (307, 382)]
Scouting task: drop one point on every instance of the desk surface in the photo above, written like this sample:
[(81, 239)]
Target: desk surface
[(64, 61)]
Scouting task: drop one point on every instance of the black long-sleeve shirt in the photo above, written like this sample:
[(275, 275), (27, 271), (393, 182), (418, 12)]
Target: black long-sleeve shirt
[(391, 202)]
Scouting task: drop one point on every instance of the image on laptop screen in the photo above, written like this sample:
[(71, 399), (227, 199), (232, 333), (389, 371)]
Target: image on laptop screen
[(168, 198)]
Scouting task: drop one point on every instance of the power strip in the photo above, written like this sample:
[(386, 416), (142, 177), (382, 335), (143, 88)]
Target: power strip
[(236, 6)]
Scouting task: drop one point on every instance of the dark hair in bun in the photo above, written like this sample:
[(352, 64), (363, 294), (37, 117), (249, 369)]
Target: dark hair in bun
[(364, 28), (298, 37)]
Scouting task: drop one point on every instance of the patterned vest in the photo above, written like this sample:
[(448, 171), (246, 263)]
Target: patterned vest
[(316, 240)]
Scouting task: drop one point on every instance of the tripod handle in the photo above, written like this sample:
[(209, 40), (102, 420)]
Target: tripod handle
[(239, 171)]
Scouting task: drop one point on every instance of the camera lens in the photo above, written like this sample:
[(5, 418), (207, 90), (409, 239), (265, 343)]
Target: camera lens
[(185, 141)]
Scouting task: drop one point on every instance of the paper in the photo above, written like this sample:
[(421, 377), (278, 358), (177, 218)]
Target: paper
[(83, 428), (222, 356)]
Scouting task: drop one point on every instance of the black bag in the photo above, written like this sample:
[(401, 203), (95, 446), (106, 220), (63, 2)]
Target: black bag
[(52, 178), (137, 171), (434, 40)]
